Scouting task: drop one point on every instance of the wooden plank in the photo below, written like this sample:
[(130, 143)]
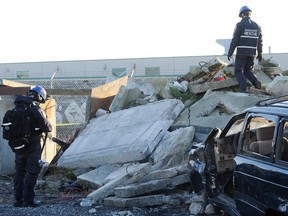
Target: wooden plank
[(8, 87), (24, 90), (102, 96), (9, 83), (49, 151), (14, 90)]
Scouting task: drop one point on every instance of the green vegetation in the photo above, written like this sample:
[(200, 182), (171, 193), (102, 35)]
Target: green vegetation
[(183, 96), (268, 63)]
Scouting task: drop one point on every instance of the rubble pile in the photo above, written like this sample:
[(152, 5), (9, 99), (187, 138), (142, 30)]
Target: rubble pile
[(136, 153)]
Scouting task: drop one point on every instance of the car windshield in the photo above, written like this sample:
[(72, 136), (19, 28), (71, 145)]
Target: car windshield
[(236, 127)]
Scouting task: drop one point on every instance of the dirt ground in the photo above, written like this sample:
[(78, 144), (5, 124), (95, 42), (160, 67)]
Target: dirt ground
[(67, 203)]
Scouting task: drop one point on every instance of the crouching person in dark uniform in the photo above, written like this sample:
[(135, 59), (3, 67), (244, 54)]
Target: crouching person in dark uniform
[(27, 164)]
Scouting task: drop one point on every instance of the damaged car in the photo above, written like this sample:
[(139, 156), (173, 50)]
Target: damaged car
[(243, 169)]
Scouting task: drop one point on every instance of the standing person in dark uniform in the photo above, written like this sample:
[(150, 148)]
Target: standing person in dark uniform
[(27, 164), (248, 40)]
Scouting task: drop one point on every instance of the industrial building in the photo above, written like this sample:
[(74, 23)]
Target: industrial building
[(133, 67)]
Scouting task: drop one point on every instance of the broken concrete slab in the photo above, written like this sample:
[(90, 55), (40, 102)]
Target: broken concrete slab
[(198, 204), (125, 98), (137, 189), (145, 87), (96, 178), (143, 201), (200, 88), (121, 137), (122, 178), (216, 108), (232, 102), (166, 173), (263, 78), (278, 86), (127, 169), (173, 148)]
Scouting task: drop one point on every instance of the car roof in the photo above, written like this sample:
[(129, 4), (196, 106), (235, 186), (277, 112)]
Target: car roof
[(274, 105)]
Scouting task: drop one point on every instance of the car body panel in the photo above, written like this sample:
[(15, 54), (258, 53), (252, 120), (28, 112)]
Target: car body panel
[(241, 181), (262, 185)]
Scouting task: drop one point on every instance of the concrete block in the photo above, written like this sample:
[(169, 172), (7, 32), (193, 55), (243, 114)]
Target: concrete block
[(200, 88), (137, 189), (96, 177), (128, 169), (166, 173), (173, 148), (144, 201), (263, 78), (107, 189), (230, 102), (123, 178), (126, 97), (278, 86)]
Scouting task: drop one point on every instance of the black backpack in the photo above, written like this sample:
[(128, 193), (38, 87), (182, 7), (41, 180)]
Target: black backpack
[(16, 127)]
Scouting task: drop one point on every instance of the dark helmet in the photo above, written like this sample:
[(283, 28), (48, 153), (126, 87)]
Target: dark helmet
[(40, 91), (244, 9)]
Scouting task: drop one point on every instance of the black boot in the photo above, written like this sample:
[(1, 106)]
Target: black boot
[(32, 204), (18, 203), (257, 84)]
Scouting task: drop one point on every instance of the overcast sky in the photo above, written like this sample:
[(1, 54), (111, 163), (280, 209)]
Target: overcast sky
[(60, 30)]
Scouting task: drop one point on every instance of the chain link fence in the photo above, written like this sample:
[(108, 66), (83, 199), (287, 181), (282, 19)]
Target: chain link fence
[(70, 109)]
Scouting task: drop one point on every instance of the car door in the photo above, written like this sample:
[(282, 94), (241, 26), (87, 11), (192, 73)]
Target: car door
[(260, 174)]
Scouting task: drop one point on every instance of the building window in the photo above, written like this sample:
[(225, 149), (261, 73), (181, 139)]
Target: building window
[(119, 72), (152, 71), (22, 74)]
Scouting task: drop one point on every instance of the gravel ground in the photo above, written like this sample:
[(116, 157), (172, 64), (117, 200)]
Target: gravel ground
[(68, 203)]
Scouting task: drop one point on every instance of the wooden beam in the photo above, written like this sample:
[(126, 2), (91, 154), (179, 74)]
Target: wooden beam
[(68, 91), (9, 83), (24, 90), (14, 90)]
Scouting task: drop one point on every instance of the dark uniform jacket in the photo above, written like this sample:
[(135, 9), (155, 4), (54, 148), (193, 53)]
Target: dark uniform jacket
[(247, 38), (39, 122)]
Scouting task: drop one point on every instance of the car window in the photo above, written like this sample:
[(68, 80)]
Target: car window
[(284, 142), (258, 136)]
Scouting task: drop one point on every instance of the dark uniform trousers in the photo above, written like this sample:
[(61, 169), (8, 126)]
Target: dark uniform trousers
[(244, 69), (27, 171)]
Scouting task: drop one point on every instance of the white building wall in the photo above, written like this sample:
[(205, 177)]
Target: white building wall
[(169, 66), (7, 157)]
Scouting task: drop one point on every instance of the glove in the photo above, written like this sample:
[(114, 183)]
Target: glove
[(229, 57), (259, 57)]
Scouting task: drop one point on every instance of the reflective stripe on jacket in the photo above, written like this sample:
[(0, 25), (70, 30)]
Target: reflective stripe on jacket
[(247, 38)]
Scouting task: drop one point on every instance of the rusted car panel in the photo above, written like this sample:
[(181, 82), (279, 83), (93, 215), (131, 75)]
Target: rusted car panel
[(244, 168)]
